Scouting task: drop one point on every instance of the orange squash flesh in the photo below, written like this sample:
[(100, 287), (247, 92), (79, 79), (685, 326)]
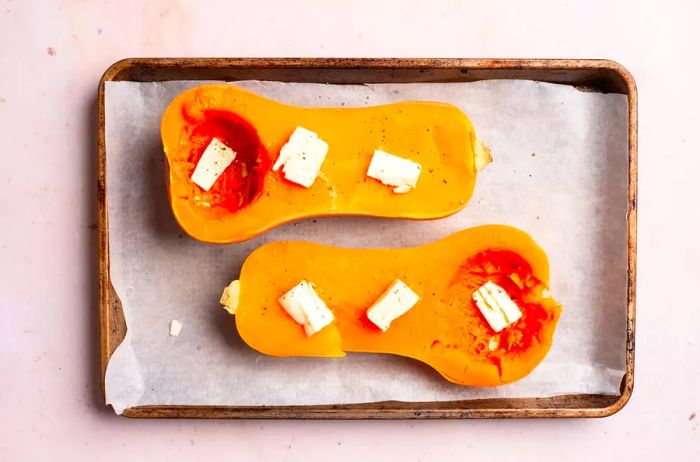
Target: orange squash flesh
[(250, 198), (444, 329)]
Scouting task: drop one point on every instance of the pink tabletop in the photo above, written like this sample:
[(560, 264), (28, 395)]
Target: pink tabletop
[(51, 58)]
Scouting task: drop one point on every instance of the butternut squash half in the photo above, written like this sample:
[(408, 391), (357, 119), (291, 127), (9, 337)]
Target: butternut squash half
[(445, 329), (249, 198)]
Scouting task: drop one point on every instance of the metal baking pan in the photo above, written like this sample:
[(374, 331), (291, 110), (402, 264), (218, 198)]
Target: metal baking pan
[(589, 75)]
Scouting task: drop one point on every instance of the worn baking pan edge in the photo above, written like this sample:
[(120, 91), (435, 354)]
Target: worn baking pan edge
[(596, 75)]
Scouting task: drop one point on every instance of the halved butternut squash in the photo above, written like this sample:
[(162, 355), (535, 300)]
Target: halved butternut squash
[(445, 329), (249, 198)]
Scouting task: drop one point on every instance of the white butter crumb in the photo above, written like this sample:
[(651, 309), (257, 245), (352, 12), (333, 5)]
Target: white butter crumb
[(175, 328)]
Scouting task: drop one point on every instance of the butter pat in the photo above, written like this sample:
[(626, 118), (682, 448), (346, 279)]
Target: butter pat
[(304, 305), (229, 297), (301, 157), (394, 171), (394, 302), (215, 158), (175, 327), (496, 306)]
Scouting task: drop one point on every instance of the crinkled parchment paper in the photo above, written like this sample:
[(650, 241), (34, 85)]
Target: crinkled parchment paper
[(560, 173)]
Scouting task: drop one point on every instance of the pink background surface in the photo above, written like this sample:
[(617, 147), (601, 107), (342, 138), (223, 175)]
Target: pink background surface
[(52, 56)]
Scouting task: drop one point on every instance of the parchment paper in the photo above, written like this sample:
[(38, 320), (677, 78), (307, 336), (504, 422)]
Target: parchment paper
[(560, 173)]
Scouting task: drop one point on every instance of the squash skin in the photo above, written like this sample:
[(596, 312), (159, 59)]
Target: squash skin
[(437, 135), (438, 330)]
